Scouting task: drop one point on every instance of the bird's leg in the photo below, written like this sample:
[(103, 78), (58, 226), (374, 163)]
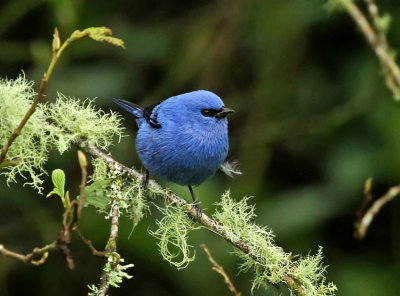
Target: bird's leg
[(145, 180), (195, 203)]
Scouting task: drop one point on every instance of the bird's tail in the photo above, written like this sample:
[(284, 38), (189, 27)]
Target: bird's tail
[(132, 108), (230, 168)]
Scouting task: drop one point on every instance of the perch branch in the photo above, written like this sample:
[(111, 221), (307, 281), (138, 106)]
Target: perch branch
[(177, 201), (364, 221), (218, 268), (376, 39)]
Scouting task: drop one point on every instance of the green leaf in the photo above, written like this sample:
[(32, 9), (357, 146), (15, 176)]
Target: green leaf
[(96, 194), (383, 23), (58, 178), (101, 34)]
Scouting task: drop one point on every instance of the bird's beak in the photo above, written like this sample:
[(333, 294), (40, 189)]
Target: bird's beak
[(224, 112)]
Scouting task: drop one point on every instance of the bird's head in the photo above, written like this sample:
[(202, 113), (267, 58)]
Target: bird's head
[(200, 108)]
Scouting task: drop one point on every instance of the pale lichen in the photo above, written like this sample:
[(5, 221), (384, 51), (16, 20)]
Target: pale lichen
[(79, 119), (108, 185), (30, 148), (116, 273), (173, 232), (268, 261), (53, 126)]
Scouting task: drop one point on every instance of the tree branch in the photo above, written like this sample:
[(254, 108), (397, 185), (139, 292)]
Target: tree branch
[(177, 201), (90, 244), (82, 193), (111, 247), (364, 221), (375, 36), (30, 258), (218, 268), (96, 33), (46, 76)]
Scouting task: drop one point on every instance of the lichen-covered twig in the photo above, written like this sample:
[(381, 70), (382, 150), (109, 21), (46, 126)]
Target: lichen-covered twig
[(30, 258), (28, 114), (374, 32), (177, 201), (111, 247), (366, 216), (218, 268), (46, 76), (97, 33)]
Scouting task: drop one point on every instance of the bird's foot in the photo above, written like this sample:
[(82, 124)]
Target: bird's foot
[(145, 180), (199, 211)]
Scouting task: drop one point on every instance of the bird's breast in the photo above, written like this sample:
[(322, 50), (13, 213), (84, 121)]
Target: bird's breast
[(183, 156)]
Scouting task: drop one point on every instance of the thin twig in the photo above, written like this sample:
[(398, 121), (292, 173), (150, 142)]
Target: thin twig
[(99, 34), (82, 194), (70, 217), (366, 201), (90, 244), (46, 76), (30, 258), (177, 201), (218, 268), (362, 225), (111, 247), (377, 41), (28, 114)]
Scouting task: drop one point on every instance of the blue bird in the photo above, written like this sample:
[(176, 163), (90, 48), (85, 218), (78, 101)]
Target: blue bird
[(184, 139)]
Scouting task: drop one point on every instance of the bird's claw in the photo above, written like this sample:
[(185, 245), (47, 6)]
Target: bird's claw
[(199, 211), (144, 184), (145, 180)]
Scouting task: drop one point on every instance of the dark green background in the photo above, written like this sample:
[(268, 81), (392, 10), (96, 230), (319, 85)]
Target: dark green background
[(313, 121)]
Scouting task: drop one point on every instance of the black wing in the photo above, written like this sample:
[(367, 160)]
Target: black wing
[(151, 117)]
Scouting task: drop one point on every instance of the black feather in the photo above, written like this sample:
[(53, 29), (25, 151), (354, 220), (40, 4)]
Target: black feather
[(151, 117)]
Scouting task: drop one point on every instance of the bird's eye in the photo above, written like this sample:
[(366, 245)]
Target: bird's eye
[(209, 112)]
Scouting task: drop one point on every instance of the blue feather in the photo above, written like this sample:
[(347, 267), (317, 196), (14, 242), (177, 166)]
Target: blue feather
[(184, 139)]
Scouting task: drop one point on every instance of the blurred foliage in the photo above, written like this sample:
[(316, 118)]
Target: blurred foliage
[(313, 121)]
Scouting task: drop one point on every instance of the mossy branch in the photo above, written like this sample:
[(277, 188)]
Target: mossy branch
[(291, 281), (116, 189)]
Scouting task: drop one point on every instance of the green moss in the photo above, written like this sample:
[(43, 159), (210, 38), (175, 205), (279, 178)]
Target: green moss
[(113, 186), (116, 274), (268, 261), (173, 231), (53, 126), (30, 149), (311, 271), (80, 119), (100, 170)]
